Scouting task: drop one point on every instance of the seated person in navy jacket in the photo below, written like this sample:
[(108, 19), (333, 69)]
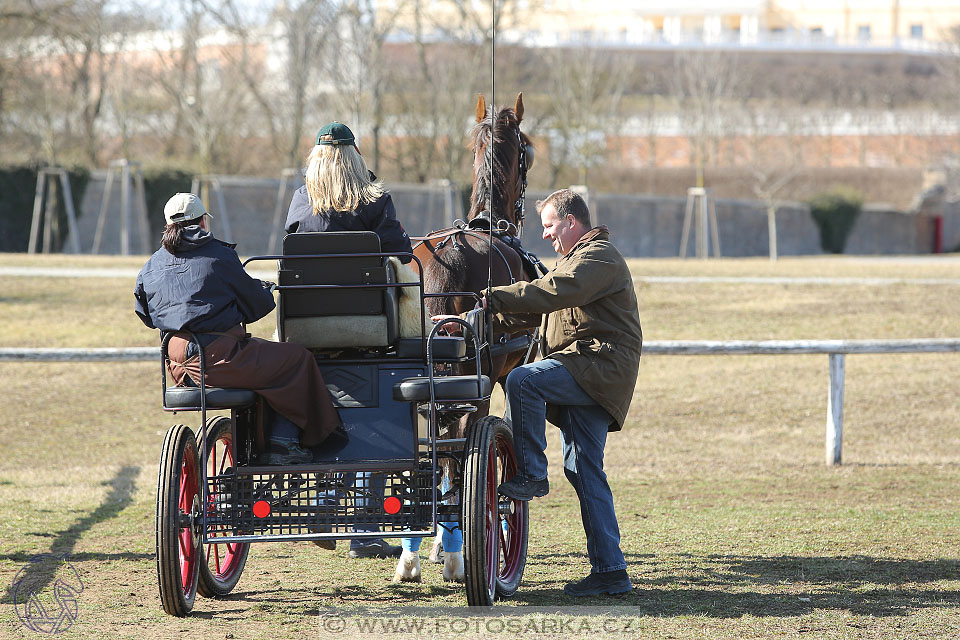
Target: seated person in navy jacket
[(196, 283)]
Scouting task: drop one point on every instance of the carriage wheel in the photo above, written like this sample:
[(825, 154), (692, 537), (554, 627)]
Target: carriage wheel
[(495, 532), (221, 564), (514, 521), (178, 521)]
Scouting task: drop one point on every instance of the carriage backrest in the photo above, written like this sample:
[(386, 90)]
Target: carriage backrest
[(336, 318)]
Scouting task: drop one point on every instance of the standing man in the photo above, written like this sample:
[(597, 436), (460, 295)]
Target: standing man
[(591, 341)]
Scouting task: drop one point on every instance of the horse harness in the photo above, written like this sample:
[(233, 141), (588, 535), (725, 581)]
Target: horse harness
[(532, 266)]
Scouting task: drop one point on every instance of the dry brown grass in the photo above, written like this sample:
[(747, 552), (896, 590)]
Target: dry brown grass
[(731, 524)]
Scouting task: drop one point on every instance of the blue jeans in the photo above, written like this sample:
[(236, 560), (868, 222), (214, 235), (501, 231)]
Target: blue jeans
[(584, 429)]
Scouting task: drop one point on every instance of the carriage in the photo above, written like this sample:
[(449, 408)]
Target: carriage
[(338, 295)]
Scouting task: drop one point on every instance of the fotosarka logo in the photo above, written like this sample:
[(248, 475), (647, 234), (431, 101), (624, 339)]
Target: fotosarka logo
[(45, 593)]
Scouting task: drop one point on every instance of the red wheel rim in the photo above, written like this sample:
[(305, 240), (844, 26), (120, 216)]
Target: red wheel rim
[(223, 560), (511, 526), (189, 497)]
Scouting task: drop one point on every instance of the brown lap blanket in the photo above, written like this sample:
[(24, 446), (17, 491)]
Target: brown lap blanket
[(285, 374)]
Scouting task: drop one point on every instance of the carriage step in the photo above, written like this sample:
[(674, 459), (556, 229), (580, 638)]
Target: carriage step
[(445, 408), (451, 443)]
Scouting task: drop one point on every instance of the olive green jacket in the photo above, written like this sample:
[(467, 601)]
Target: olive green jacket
[(590, 321)]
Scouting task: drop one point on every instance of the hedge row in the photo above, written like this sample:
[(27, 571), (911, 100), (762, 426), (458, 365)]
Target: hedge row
[(18, 187)]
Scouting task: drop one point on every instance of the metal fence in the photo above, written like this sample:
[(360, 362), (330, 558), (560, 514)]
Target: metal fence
[(835, 349)]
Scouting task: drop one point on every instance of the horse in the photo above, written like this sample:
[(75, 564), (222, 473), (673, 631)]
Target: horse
[(459, 259)]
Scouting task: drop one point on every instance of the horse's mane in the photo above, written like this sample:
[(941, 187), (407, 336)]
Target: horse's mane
[(505, 151)]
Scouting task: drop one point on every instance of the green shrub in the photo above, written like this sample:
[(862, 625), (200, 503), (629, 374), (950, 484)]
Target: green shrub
[(835, 211), (18, 186)]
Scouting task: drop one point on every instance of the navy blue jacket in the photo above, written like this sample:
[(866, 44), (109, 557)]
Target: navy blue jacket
[(203, 288), (380, 216)]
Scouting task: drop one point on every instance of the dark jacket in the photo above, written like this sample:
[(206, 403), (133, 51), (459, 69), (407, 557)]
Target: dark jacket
[(380, 216), (203, 288), (590, 321)]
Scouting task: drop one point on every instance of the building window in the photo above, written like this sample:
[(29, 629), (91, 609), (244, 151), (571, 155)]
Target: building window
[(916, 31), (863, 33)]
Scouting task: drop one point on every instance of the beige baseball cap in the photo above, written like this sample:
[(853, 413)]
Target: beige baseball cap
[(183, 207)]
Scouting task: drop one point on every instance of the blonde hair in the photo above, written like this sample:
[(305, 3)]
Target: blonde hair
[(337, 179)]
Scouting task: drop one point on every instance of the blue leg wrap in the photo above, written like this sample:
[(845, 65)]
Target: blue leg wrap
[(411, 544), (452, 537)]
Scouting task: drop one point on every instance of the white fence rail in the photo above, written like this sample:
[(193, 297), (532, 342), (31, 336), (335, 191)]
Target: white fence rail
[(835, 349)]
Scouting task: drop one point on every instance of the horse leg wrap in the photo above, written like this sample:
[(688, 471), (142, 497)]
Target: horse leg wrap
[(411, 544), (452, 537)]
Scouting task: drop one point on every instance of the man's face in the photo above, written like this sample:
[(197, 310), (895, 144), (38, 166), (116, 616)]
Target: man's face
[(559, 232)]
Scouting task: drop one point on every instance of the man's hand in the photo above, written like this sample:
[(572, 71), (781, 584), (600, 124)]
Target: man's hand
[(450, 327), (269, 286)]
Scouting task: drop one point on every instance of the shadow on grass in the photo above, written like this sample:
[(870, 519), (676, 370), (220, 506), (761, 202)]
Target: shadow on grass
[(120, 496), (734, 586)]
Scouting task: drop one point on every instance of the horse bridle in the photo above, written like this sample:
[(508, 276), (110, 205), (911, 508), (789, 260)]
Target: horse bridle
[(524, 163), (484, 219)]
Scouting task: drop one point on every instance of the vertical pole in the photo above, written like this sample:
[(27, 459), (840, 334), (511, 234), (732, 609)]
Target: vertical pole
[(104, 205), (222, 210), (37, 212), (703, 227), (71, 214), (278, 213), (448, 203), (835, 410), (49, 211), (685, 235), (772, 231), (141, 195), (714, 226), (125, 210)]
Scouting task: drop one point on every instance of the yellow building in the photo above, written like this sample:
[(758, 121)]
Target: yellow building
[(909, 24)]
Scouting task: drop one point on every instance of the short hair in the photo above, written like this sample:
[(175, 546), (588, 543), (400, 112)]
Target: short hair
[(567, 203), (337, 179)]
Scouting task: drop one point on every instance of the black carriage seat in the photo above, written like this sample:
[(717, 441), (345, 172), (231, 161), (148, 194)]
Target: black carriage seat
[(344, 318), (444, 388), (331, 319), (187, 398)]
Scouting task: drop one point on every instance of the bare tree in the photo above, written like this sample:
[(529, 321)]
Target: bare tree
[(62, 91), (279, 63), (356, 64), (587, 88), (704, 80)]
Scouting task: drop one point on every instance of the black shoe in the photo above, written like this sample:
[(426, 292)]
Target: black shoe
[(610, 582), (523, 488), (285, 453), (323, 543), (375, 549)]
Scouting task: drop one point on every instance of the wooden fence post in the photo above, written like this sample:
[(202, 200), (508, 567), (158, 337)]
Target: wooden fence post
[(835, 410)]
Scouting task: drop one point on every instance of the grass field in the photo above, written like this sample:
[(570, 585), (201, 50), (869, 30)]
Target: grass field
[(731, 524)]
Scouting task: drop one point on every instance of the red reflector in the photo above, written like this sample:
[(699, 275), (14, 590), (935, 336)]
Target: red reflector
[(392, 505), (261, 508)]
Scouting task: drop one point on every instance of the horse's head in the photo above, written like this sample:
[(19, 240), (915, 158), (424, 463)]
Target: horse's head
[(501, 199)]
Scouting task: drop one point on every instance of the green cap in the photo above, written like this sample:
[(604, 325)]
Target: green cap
[(339, 133)]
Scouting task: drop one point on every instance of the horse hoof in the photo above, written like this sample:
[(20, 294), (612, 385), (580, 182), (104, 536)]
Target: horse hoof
[(453, 567), (408, 567)]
